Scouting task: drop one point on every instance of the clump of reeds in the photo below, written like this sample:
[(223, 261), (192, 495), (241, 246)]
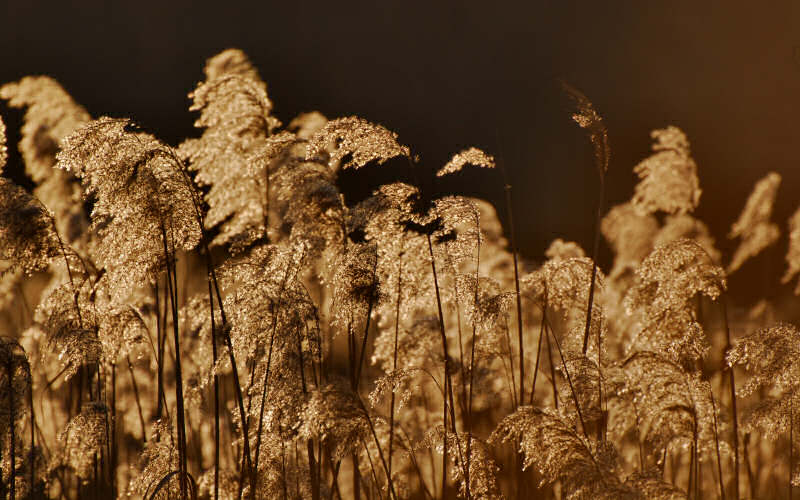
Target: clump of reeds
[(215, 319)]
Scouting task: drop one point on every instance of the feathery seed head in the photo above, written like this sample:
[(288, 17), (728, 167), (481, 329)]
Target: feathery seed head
[(51, 115), (668, 178), (753, 226), (27, 237), (355, 142), (588, 118), (471, 156)]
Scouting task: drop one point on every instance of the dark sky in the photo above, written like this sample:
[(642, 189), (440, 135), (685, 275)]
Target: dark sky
[(446, 75)]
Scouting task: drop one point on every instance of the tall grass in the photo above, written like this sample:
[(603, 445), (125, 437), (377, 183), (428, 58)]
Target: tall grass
[(214, 319)]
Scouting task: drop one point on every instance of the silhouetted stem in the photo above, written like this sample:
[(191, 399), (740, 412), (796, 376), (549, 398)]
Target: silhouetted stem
[(216, 390), (569, 380), (11, 428), (366, 329), (378, 446), (538, 351), (394, 358), (734, 412), (716, 443), (173, 293), (447, 396)]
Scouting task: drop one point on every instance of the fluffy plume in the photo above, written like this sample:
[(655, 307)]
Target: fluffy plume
[(630, 234), (333, 415), (309, 206), (772, 355), (15, 382), (27, 235), (67, 316), (353, 142), (652, 486), (305, 125), (560, 454), (3, 148), (234, 154), (668, 177), (753, 226), (483, 470), (685, 226), (83, 437), (159, 458), (264, 296), (793, 253), (587, 118), (355, 284), (562, 250), (145, 205), (471, 156), (51, 115), (669, 278), (673, 406)]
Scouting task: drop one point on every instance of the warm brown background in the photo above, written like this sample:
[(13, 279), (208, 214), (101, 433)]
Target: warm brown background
[(447, 75)]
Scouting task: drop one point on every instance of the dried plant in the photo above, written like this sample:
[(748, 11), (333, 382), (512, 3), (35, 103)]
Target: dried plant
[(144, 208), (51, 115), (233, 155), (550, 443), (84, 438), (27, 231), (228, 323), (753, 226), (3, 147), (669, 279), (471, 156), (669, 177), (352, 142)]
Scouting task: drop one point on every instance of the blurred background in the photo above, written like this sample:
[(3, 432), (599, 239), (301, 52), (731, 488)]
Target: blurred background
[(451, 74)]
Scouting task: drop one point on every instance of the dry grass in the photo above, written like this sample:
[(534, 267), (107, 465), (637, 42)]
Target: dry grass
[(219, 323)]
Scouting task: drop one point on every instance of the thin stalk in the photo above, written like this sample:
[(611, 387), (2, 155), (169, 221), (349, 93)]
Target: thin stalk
[(371, 464), (734, 413), (394, 358), (595, 251), (114, 447), (33, 429), (472, 369), (716, 443), (159, 354), (538, 353), (378, 446), (171, 283), (512, 233), (746, 452), (366, 329), (356, 476), (552, 365), (11, 429), (516, 291), (312, 467), (689, 488), (448, 382), (254, 471), (216, 390), (569, 380), (254, 475), (335, 478), (196, 203)]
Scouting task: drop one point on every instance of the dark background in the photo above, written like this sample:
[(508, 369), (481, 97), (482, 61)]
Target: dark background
[(447, 75)]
